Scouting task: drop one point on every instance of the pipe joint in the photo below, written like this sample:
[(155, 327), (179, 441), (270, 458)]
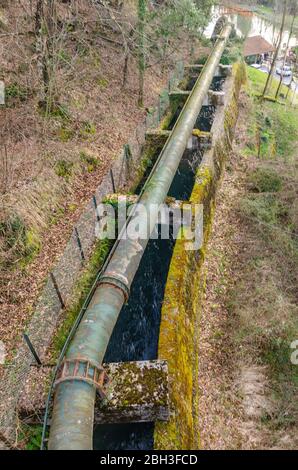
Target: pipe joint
[(116, 281), (83, 370)]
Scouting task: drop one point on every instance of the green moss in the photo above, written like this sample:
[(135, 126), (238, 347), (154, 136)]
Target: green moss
[(65, 134), (16, 91), (143, 395), (33, 244), (102, 82), (23, 242), (179, 332), (88, 129), (63, 169), (90, 162)]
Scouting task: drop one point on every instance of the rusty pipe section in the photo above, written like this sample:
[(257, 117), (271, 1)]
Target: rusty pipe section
[(73, 409)]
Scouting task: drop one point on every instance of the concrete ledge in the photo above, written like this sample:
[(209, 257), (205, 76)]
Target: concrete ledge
[(225, 70), (194, 66), (137, 392), (179, 96), (216, 98), (179, 329), (133, 199), (162, 135)]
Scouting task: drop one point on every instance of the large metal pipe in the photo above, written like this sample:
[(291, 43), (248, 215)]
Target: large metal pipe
[(73, 411)]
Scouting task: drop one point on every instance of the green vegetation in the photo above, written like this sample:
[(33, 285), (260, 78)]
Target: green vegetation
[(64, 169), (233, 52), (89, 162), (258, 81), (102, 82), (30, 437), (81, 291), (265, 180), (15, 90), (65, 134), (273, 128), (19, 241), (266, 298), (87, 130), (54, 110)]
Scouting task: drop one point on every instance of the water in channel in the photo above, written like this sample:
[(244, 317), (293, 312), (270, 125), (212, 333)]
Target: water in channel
[(135, 337)]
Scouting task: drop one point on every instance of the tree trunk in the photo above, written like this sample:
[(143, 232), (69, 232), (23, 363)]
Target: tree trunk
[(125, 69), (45, 23), (285, 57), (38, 16), (276, 51), (141, 49)]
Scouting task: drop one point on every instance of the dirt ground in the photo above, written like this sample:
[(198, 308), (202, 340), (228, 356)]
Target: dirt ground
[(243, 404), (32, 149)]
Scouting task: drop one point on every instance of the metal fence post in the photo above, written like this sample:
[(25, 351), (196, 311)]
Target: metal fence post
[(57, 290), (96, 208), (159, 109), (128, 158), (113, 181), (79, 244), (32, 349)]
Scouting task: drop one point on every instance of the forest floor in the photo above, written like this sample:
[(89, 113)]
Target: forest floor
[(51, 166), (247, 377)]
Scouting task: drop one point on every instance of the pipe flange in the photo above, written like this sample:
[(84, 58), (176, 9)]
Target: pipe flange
[(117, 282), (83, 370)]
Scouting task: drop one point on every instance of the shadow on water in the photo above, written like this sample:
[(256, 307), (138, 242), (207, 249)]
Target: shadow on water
[(135, 336), (203, 122), (216, 85), (132, 436)]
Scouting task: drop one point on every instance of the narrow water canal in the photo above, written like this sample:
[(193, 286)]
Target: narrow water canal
[(135, 337)]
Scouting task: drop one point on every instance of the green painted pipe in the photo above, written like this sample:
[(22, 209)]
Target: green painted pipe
[(73, 411)]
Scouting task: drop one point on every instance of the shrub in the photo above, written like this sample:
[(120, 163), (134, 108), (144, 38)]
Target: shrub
[(265, 181), (63, 168)]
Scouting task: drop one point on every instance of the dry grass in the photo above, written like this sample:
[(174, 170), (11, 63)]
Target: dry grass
[(250, 315), (46, 178)]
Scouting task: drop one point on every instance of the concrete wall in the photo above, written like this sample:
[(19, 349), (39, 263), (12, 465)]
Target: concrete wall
[(179, 334)]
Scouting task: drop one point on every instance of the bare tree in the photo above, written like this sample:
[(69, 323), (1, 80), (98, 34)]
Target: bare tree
[(285, 54), (141, 47), (276, 50)]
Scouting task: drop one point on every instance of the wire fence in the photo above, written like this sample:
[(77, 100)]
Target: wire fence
[(58, 289)]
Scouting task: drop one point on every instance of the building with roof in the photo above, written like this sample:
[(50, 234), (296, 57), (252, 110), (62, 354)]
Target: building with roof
[(256, 48)]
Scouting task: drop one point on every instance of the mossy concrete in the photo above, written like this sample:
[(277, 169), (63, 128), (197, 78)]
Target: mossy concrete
[(136, 392), (179, 330)]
